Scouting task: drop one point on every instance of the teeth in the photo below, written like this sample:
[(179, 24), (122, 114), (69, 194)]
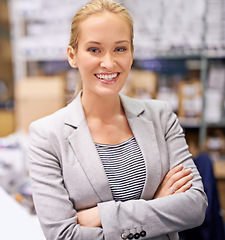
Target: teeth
[(107, 77)]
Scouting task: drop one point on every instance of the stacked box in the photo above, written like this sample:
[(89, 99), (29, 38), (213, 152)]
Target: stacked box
[(215, 21), (6, 71), (142, 84), (190, 99), (36, 97), (7, 123)]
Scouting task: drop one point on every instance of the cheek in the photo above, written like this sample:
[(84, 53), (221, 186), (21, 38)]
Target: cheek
[(127, 62), (87, 62)]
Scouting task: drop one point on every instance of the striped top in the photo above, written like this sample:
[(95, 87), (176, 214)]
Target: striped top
[(125, 168)]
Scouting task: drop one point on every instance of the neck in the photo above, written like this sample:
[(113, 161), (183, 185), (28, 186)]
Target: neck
[(104, 108)]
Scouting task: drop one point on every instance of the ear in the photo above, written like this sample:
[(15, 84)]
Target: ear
[(71, 57)]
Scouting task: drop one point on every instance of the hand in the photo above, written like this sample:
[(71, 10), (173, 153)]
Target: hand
[(176, 180), (89, 217)]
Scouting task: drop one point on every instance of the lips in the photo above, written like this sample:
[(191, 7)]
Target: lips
[(107, 77)]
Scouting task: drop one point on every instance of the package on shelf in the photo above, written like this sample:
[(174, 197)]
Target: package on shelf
[(49, 9), (213, 105), (216, 77), (36, 97), (39, 48), (215, 24), (6, 83), (141, 84), (6, 72), (48, 27), (7, 122), (4, 11), (5, 48), (166, 25), (41, 29), (190, 99), (168, 88), (179, 29), (214, 95), (170, 95), (147, 21), (3, 91)]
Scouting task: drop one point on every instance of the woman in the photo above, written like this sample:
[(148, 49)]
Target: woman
[(108, 166)]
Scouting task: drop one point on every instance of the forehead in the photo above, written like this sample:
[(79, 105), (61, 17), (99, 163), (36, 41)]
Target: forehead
[(104, 25)]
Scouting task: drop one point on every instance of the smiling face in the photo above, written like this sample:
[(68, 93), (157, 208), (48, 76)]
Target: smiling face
[(104, 55)]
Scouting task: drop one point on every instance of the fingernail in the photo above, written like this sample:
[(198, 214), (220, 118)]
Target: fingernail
[(180, 165), (188, 169)]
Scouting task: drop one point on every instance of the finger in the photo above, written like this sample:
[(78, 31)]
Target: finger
[(173, 171), (178, 175), (173, 190), (184, 188), (181, 182)]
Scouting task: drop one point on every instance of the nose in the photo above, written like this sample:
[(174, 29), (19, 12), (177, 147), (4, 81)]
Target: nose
[(107, 61)]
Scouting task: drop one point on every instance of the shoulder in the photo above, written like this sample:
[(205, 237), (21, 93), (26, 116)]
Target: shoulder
[(156, 105), (146, 106), (51, 121), (157, 112), (70, 115)]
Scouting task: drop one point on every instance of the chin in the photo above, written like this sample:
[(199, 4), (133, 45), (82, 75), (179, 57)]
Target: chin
[(109, 92)]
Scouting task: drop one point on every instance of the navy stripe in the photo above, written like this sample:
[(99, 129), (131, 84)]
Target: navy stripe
[(125, 168)]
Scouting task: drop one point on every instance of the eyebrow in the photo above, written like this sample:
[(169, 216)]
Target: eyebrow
[(93, 42), (117, 42), (122, 41)]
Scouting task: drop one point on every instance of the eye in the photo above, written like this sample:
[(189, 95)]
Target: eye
[(93, 50), (121, 49)]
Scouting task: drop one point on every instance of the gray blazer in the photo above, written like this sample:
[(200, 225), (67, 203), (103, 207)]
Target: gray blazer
[(67, 175)]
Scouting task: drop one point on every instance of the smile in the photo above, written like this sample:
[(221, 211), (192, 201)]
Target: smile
[(107, 77)]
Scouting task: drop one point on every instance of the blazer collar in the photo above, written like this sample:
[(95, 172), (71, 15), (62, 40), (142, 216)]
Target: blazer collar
[(75, 113), (132, 107)]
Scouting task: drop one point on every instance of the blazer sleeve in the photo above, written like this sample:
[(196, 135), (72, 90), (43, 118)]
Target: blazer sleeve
[(165, 215), (56, 212)]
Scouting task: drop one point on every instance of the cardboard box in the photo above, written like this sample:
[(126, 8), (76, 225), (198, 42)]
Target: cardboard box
[(190, 99), (6, 71), (36, 97), (5, 50), (4, 15), (7, 123), (141, 84)]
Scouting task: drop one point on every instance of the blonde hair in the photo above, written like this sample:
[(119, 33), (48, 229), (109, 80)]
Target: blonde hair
[(94, 7)]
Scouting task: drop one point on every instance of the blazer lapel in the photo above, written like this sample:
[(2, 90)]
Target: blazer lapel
[(84, 148), (144, 132)]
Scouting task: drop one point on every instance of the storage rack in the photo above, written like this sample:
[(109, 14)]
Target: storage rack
[(40, 13), (212, 46)]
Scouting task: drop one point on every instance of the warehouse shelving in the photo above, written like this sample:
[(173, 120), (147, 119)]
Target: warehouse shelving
[(196, 43)]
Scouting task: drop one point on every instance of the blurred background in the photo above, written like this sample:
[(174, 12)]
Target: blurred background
[(179, 57)]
